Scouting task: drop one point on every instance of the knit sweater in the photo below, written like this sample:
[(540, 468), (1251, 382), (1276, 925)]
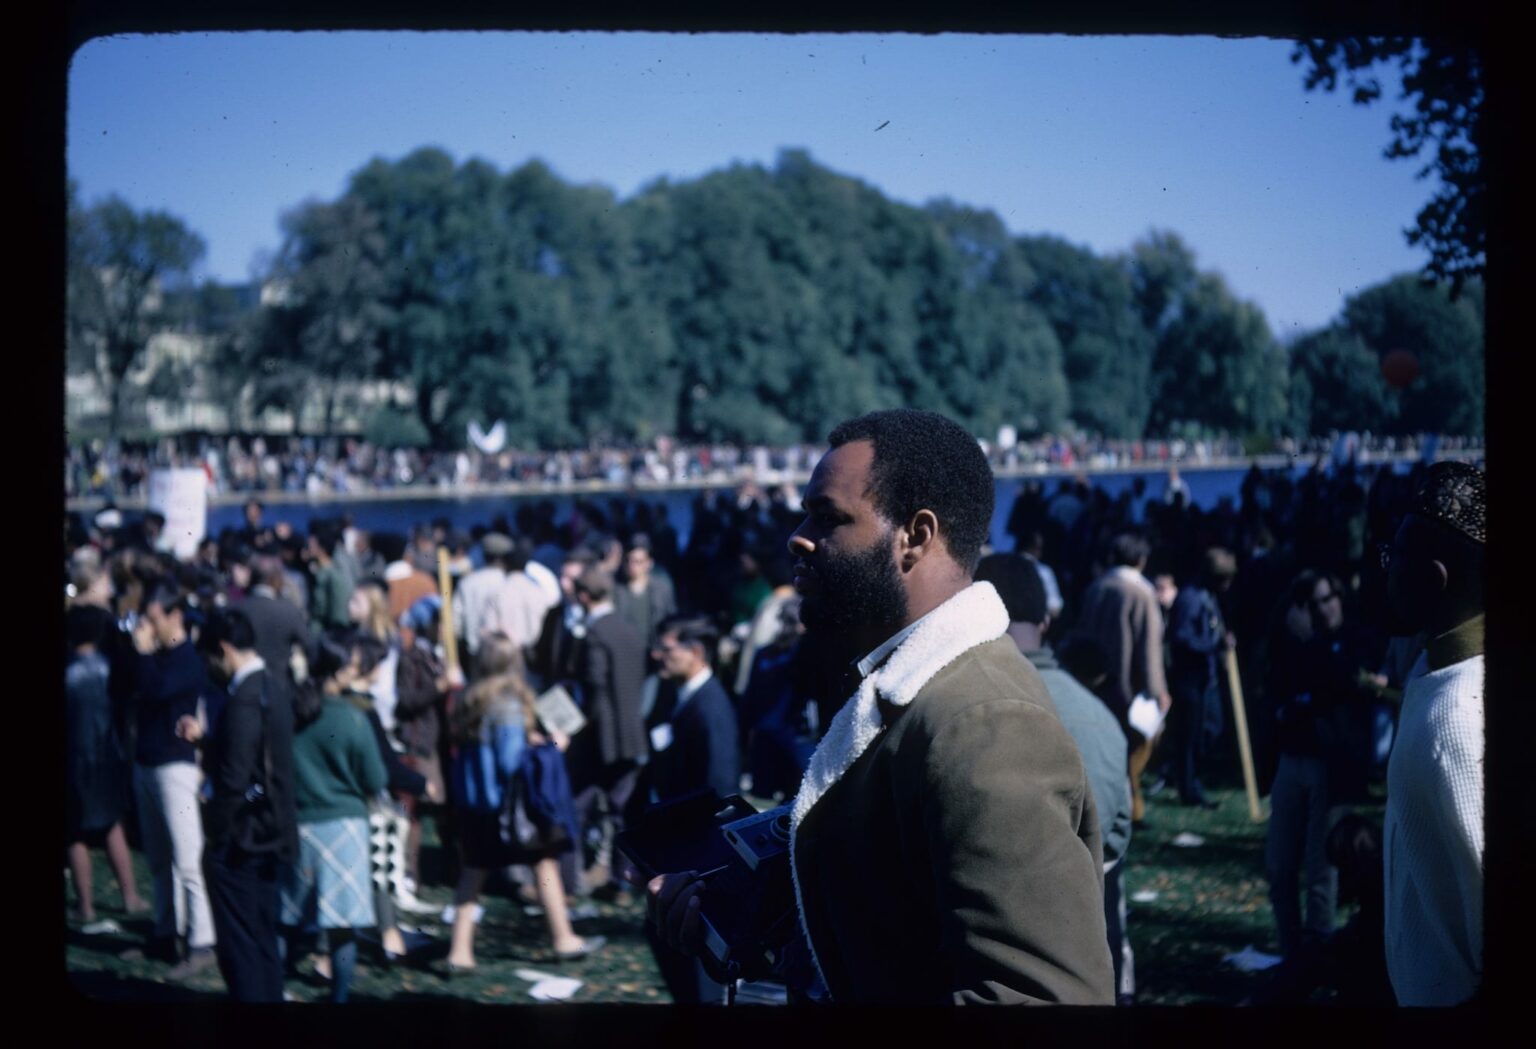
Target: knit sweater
[(169, 682), (1433, 848), (337, 766)]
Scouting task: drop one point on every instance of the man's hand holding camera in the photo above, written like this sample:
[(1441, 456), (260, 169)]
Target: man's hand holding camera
[(672, 906)]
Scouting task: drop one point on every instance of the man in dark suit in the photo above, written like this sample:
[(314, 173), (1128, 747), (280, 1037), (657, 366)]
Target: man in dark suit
[(553, 659), (610, 670), (694, 748), (250, 823), (280, 625)]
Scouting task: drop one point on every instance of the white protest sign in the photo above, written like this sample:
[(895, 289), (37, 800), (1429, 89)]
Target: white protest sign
[(181, 496)]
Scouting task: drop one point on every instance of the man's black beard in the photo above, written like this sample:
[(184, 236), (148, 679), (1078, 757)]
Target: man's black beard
[(856, 598)]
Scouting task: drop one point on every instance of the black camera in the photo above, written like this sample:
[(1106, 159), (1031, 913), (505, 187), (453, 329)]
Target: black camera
[(747, 905)]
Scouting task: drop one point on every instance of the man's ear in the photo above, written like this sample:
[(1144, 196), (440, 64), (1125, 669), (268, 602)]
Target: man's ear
[(918, 538)]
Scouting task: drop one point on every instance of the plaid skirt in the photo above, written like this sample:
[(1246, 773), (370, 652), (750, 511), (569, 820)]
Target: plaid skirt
[(329, 886)]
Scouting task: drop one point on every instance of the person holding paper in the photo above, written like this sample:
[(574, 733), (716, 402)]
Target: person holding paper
[(494, 727), (1120, 612)]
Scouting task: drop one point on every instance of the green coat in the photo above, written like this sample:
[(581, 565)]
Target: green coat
[(328, 597), (946, 846)]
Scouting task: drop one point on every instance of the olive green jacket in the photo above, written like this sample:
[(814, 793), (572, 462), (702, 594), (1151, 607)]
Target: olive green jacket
[(945, 846)]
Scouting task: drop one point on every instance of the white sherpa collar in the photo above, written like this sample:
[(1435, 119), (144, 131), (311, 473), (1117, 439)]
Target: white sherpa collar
[(972, 617)]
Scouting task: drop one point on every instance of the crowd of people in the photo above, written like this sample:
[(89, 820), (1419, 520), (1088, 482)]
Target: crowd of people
[(266, 710), (307, 465)]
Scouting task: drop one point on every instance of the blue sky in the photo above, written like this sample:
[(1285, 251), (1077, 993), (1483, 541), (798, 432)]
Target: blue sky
[(1095, 139)]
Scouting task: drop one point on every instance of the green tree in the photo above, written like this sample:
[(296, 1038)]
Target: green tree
[(121, 265), (1446, 338), (1216, 365), (1442, 85), (514, 297), (1007, 364), (1106, 349), (324, 329), (1336, 384)]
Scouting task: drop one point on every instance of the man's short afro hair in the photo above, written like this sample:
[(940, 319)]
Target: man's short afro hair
[(924, 461)]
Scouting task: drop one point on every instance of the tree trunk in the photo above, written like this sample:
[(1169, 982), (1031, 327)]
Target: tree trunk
[(114, 406), (424, 413)]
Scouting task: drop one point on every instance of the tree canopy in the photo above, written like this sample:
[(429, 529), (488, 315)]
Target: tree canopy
[(121, 266), (752, 304), (1337, 373)]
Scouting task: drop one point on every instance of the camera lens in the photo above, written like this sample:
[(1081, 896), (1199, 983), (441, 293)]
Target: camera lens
[(780, 827)]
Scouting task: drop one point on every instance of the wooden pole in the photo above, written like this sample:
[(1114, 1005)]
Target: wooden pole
[(1240, 719), (445, 617)]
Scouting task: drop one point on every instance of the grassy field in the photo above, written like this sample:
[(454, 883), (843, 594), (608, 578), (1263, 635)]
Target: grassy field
[(1211, 901)]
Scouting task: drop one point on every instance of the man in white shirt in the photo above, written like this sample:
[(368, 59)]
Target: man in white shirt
[(520, 603), (1433, 840), (474, 598)]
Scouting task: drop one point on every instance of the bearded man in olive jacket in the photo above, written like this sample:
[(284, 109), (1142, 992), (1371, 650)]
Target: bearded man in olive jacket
[(945, 845)]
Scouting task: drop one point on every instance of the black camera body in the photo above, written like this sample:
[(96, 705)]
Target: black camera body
[(747, 903)]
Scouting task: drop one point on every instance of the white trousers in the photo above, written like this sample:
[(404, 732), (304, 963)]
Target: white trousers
[(171, 820)]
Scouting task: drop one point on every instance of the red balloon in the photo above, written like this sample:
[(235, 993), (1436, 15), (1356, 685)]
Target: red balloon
[(1399, 368)]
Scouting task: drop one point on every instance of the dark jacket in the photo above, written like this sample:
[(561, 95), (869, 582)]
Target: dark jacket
[(1322, 711), (279, 625), (234, 761), (646, 609), (167, 684), (778, 721), (549, 789), (553, 658), (401, 778), (703, 751), (417, 721), (1195, 636), (610, 667)]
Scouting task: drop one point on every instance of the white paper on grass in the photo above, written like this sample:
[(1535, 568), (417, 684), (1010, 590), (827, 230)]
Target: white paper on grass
[(548, 987), (1145, 715), (556, 990), (1252, 961), (1186, 840)]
